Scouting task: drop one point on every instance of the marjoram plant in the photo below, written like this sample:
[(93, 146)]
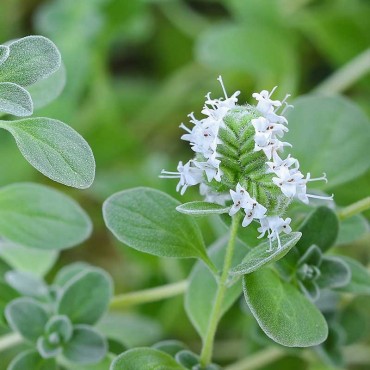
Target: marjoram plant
[(272, 251)]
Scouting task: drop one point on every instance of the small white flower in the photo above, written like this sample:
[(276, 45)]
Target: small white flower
[(269, 146), (265, 104), (274, 225), (253, 211), (277, 163), (211, 168), (213, 197), (288, 181), (302, 189), (240, 198), (271, 130)]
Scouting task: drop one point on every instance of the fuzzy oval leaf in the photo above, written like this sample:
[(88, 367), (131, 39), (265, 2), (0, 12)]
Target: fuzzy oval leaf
[(146, 219), (32, 360), (87, 346), (329, 134), (260, 256), (26, 284), (360, 278), (201, 208), (334, 272), (202, 289), (54, 149), (30, 59), (15, 100), (352, 229), (27, 317), (40, 217), (283, 313), (77, 301), (145, 358), (4, 53)]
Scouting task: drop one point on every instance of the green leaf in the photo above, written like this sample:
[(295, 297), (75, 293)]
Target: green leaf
[(145, 358), (310, 289), (146, 219), (77, 302), (170, 346), (352, 229), (54, 149), (132, 330), (36, 261), (360, 278), (283, 313), (202, 208), (45, 91), (32, 360), (61, 325), (27, 284), (260, 256), (27, 317), (338, 133), (68, 272), (320, 228), (4, 53), (87, 346), (47, 349), (40, 217), (101, 365), (15, 100), (187, 359), (334, 272), (30, 59), (202, 289)]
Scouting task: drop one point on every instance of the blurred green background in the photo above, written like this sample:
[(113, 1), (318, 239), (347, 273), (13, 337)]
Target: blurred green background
[(136, 68)]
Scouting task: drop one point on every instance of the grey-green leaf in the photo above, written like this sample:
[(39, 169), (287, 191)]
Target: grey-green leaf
[(77, 301), (15, 100), (360, 278), (146, 219), (26, 284), (30, 59), (27, 317), (87, 346), (260, 256), (145, 358), (40, 217), (32, 360), (202, 289), (329, 134), (334, 272), (54, 149), (4, 53), (202, 208), (282, 312)]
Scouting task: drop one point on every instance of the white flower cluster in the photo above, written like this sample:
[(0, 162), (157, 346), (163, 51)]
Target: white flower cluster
[(269, 128), (203, 138)]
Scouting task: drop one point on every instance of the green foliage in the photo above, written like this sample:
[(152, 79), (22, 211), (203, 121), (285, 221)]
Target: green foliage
[(141, 358), (261, 255), (202, 208), (40, 217), (54, 149), (283, 313), (147, 220), (31, 360), (15, 100)]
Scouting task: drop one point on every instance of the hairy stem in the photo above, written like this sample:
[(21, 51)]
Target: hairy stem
[(354, 208), (346, 76), (257, 360), (148, 295), (206, 354), (10, 340)]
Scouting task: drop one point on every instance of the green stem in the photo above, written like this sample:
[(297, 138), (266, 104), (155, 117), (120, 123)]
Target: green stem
[(206, 354), (148, 295), (257, 360), (355, 208), (347, 75), (10, 340)]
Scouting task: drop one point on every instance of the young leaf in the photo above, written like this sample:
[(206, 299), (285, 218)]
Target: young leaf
[(68, 272), (146, 219), (202, 208), (360, 278), (145, 358), (77, 302), (283, 313), (27, 317), (30, 59), (342, 147), (4, 53), (54, 149), (202, 289), (32, 360), (187, 359), (40, 217), (15, 100), (169, 346), (260, 256), (87, 346), (334, 273), (26, 284)]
